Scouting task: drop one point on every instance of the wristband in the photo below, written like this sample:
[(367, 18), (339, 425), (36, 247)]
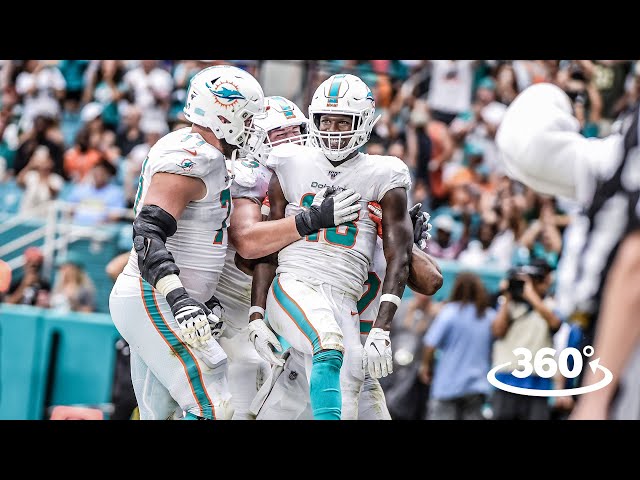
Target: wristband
[(168, 284), (389, 297), (256, 309)]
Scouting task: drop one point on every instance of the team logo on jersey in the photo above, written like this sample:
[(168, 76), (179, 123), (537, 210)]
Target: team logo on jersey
[(250, 164), (186, 165), (333, 174), (225, 93)]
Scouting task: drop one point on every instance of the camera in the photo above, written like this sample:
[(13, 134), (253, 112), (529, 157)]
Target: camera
[(536, 271)]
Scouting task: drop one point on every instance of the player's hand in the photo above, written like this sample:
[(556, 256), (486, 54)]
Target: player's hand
[(420, 221), (193, 320), (421, 226), (375, 214), (328, 209), (216, 321), (264, 341), (377, 357)]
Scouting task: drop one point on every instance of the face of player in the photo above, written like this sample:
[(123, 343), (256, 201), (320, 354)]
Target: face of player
[(227, 148), (283, 134), (336, 124)]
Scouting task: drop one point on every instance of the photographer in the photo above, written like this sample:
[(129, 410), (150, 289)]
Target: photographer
[(524, 320)]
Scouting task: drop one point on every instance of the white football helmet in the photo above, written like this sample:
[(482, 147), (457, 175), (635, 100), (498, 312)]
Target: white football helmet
[(342, 94), (280, 112), (233, 94)]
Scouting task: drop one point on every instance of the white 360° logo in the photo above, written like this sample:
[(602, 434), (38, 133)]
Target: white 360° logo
[(545, 366)]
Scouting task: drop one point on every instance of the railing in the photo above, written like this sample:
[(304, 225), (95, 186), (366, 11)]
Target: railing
[(57, 233)]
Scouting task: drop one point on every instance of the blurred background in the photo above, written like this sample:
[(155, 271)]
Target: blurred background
[(74, 134)]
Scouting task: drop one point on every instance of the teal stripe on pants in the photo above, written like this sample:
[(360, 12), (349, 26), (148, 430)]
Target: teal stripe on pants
[(296, 314), (190, 363)]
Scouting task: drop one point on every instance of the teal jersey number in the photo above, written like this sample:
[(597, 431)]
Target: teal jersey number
[(343, 235), (225, 202)]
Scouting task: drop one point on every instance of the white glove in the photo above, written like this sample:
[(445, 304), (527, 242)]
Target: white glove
[(377, 354), (263, 340), (345, 206), (194, 324)]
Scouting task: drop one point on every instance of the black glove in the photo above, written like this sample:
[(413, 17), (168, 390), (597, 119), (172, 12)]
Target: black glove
[(421, 225), (217, 327), (328, 210)]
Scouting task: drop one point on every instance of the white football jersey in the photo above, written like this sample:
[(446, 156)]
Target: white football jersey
[(339, 256), (369, 302), (251, 181), (200, 242)]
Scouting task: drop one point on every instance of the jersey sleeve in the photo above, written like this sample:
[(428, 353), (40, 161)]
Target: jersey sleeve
[(192, 158), (395, 174), (245, 182)]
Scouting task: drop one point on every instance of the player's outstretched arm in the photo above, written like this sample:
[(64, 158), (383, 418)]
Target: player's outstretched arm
[(166, 199), (264, 271), (618, 329), (397, 242), (255, 239)]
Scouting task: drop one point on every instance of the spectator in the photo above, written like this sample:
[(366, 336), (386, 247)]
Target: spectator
[(483, 251), (32, 288), (460, 336), (40, 184), (132, 165), (450, 88), (41, 87), (106, 87), (96, 197), (82, 157), (129, 134), (73, 290), (543, 238), (42, 133), (525, 319), (443, 245), (151, 87), (5, 279)]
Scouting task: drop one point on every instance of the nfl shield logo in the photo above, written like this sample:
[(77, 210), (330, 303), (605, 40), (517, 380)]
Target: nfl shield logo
[(333, 174)]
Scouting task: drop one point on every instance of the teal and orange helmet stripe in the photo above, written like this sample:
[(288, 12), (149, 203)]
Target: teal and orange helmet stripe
[(334, 90), (287, 109), (189, 363)]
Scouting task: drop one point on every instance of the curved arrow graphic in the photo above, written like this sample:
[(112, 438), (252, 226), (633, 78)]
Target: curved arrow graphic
[(565, 392)]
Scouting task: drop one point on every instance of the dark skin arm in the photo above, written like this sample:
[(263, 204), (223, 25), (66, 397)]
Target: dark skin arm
[(425, 276), (397, 242), (264, 270)]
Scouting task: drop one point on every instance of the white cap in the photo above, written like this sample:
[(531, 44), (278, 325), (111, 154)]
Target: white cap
[(91, 111), (444, 222)]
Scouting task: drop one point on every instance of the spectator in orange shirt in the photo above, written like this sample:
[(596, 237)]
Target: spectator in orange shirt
[(81, 158)]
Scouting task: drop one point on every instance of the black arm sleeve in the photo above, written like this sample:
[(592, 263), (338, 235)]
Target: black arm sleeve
[(151, 228)]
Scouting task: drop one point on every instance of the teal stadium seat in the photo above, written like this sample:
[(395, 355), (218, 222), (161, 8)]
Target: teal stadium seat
[(10, 197)]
